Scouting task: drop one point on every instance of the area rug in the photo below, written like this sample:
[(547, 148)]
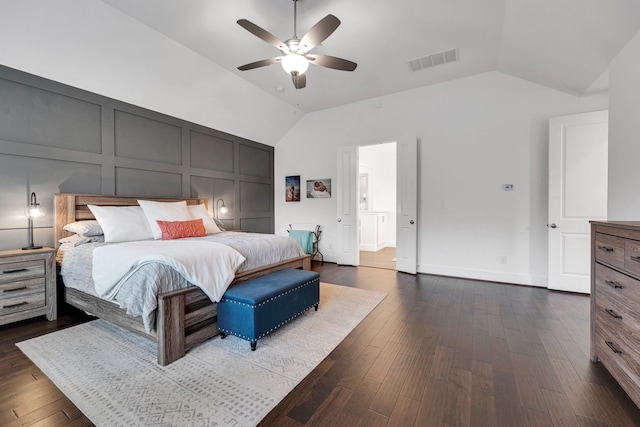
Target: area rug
[(112, 376)]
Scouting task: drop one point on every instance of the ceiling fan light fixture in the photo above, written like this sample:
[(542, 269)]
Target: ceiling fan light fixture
[(295, 62)]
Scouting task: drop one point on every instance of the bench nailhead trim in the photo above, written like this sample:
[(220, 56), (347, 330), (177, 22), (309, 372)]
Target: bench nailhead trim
[(270, 330), (225, 299)]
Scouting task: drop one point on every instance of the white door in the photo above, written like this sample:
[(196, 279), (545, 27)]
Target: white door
[(578, 152), (407, 205), (347, 215)]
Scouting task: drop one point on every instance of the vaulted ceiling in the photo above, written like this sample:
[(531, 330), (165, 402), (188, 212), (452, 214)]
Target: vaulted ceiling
[(563, 44)]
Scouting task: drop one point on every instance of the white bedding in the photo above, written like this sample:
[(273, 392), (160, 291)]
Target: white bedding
[(138, 293), (210, 266)]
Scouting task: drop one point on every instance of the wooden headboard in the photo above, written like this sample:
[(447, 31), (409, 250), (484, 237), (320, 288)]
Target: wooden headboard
[(73, 207)]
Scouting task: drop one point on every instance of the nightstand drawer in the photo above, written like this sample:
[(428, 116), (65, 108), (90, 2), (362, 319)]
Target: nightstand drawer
[(22, 295), (12, 271)]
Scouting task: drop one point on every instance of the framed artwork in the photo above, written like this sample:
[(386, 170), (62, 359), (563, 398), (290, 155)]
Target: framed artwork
[(292, 188), (319, 188)]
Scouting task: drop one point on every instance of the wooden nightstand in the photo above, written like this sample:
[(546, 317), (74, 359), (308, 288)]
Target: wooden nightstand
[(27, 284)]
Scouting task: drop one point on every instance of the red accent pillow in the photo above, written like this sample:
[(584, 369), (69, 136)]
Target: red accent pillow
[(180, 229)]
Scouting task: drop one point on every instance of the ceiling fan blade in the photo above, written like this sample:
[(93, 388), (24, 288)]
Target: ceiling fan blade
[(299, 80), (331, 62), (319, 32), (263, 34), (261, 63)]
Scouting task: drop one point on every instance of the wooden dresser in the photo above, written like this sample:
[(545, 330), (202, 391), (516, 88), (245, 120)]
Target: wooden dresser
[(615, 301)]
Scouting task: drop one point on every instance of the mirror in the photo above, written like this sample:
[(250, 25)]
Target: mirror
[(364, 191)]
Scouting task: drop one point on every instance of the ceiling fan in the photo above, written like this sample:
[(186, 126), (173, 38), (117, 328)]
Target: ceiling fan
[(295, 58)]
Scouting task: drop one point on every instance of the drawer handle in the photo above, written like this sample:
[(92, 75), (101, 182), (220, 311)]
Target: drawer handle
[(605, 248), (613, 314), (15, 305), (17, 270), (635, 258), (613, 347), (15, 289), (613, 284)]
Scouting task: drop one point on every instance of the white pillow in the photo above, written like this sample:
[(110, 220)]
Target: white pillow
[(85, 228), (78, 239), (122, 223), (164, 211), (200, 212)]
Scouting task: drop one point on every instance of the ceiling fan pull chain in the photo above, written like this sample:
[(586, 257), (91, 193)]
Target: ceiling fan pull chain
[(295, 19)]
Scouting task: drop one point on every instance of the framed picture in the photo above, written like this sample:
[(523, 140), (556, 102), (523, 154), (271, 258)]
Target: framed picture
[(292, 188), (319, 188)]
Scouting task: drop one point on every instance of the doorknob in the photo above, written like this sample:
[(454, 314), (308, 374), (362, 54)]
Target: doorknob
[(553, 225), (412, 222), (339, 220)]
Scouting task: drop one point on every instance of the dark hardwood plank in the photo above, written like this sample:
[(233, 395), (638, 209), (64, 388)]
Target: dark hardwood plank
[(458, 398), (404, 413), (432, 405), (437, 351), (557, 404), (391, 386)]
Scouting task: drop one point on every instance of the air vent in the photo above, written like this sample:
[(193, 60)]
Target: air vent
[(434, 59)]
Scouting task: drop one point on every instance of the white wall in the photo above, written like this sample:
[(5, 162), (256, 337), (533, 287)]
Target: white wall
[(379, 161), (474, 134), (624, 134), (93, 46)]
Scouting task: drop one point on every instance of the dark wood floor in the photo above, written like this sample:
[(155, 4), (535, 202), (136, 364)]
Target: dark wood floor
[(436, 352)]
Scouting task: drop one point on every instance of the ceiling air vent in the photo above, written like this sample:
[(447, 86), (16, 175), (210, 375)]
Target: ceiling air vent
[(434, 59)]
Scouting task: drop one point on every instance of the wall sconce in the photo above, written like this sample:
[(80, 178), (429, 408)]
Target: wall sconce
[(33, 210), (220, 209)]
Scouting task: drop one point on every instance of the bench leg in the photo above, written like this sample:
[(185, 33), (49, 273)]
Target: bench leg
[(253, 345), (223, 335), (316, 307)]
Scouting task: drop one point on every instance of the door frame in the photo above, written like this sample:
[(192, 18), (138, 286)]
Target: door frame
[(355, 259)]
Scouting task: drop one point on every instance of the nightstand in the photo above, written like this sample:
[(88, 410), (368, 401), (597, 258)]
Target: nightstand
[(27, 284)]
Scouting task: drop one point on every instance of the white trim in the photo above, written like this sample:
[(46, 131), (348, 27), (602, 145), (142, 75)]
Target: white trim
[(487, 275)]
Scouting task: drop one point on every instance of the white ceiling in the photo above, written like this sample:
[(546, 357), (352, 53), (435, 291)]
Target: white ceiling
[(563, 44)]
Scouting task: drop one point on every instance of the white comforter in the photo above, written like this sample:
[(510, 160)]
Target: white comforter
[(210, 266)]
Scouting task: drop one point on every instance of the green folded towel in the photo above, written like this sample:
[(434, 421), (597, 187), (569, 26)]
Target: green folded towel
[(304, 238)]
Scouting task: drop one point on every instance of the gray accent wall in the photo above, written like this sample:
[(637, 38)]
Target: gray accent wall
[(59, 139)]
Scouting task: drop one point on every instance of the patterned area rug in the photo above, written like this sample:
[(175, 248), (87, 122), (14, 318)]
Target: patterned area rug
[(112, 376)]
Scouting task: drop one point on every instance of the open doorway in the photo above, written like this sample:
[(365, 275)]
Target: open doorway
[(377, 205)]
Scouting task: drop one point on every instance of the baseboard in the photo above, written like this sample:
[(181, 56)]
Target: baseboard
[(485, 275)]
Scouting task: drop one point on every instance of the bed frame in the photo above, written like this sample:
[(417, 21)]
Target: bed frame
[(185, 317)]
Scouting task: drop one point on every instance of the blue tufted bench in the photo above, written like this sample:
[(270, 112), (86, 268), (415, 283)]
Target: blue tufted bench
[(252, 309)]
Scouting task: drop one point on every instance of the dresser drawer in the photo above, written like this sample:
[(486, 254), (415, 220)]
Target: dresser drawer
[(617, 285), (12, 271), (22, 295), (619, 360), (610, 249), (617, 319), (632, 256)]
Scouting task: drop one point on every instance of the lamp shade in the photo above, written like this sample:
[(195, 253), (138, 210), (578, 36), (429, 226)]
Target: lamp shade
[(295, 62), (220, 209), (33, 210)]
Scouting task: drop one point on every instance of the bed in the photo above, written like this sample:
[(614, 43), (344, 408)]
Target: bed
[(184, 317)]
